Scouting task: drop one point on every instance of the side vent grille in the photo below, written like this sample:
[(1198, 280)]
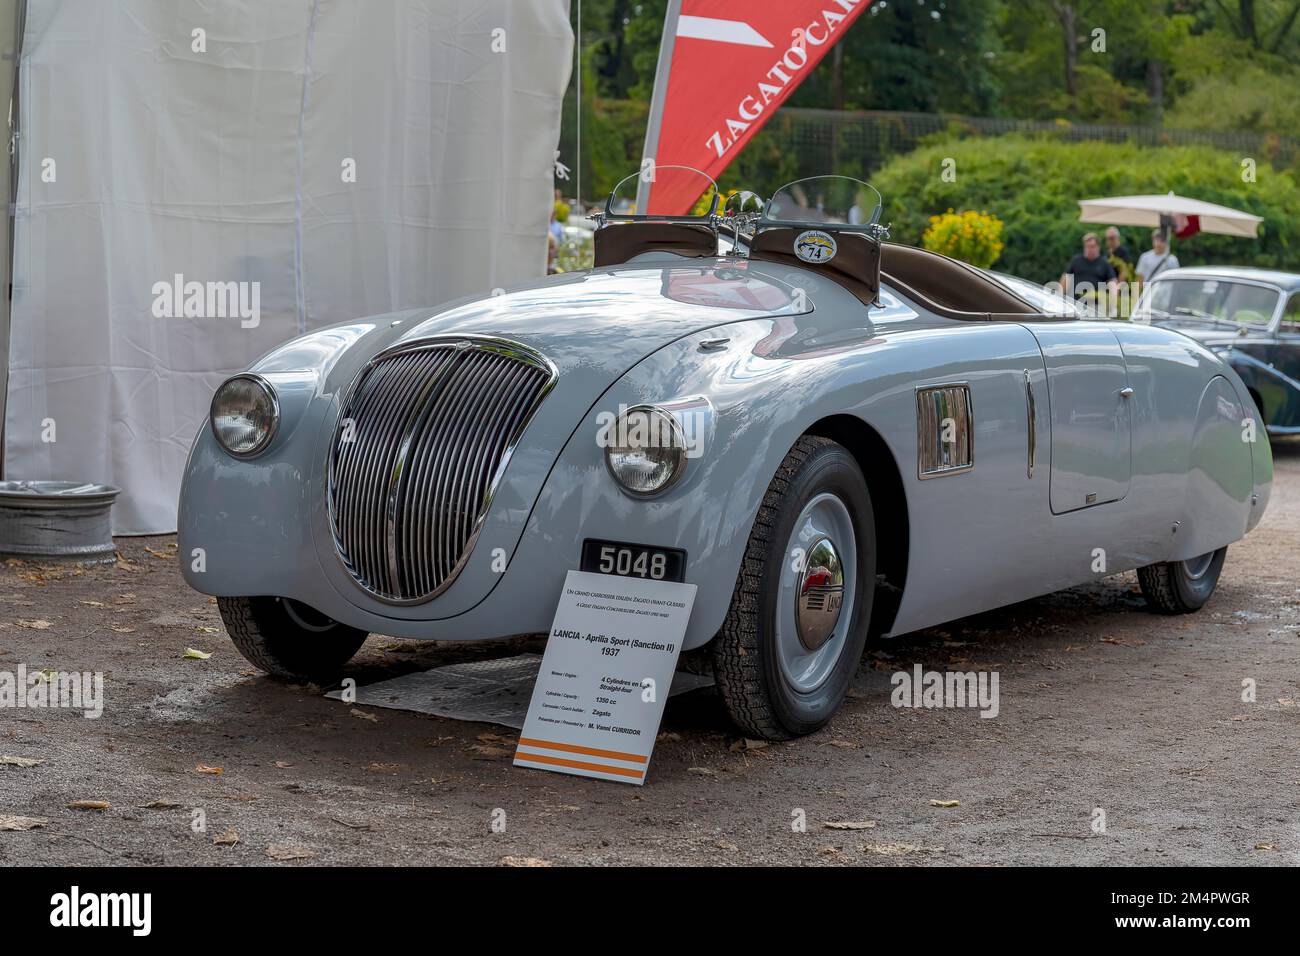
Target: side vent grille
[(945, 440)]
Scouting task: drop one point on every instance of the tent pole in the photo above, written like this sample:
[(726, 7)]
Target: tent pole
[(6, 306), (657, 98)]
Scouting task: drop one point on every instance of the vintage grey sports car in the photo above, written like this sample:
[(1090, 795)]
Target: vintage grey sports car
[(1251, 317), (831, 435)]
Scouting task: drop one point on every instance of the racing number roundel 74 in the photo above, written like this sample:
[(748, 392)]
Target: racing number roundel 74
[(815, 246)]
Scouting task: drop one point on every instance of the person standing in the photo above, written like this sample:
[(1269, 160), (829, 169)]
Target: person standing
[(1115, 247), (1088, 273), (1120, 256), (1157, 259)]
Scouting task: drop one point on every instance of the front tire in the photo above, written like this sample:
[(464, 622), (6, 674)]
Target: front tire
[(787, 651), (288, 639), (1180, 587)]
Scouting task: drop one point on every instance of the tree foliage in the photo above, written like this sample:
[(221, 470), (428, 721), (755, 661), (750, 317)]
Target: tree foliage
[(1034, 184)]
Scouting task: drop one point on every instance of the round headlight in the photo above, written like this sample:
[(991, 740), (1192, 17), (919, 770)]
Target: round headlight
[(244, 415), (646, 451)]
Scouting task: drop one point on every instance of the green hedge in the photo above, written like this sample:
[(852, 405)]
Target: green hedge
[(1034, 184)]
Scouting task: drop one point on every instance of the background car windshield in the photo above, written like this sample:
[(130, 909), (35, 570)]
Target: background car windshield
[(1048, 301), (826, 199), (1212, 298)]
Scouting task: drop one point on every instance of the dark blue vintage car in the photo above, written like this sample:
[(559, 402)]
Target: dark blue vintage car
[(1251, 317)]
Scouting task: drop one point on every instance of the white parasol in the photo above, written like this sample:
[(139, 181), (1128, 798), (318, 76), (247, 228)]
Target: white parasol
[(1151, 210)]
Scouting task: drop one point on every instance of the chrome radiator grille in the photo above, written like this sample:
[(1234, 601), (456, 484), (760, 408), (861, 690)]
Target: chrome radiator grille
[(423, 440)]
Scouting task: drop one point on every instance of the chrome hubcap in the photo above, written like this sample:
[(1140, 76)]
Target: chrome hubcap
[(1196, 567), (821, 595), (818, 581)]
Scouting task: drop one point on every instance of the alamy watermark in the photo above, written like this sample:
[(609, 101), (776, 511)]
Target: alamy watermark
[(179, 299), (51, 690), (920, 688)]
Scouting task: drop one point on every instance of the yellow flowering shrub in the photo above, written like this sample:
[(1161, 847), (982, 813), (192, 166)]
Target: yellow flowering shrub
[(970, 236)]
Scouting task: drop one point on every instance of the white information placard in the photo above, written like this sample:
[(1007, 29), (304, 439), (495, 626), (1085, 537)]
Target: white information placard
[(605, 676)]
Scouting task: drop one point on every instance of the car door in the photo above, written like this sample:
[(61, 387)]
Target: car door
[(1088, 395)]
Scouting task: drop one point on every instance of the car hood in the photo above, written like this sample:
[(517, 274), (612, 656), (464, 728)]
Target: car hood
[(609, 319)]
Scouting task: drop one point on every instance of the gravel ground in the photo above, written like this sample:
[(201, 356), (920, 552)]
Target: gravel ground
[(1103, 706)]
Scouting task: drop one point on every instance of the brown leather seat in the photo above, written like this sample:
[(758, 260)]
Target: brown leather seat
[(951, 288)]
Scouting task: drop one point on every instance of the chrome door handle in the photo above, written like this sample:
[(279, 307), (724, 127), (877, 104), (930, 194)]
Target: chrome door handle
[(1126, 392), (1031, 411)]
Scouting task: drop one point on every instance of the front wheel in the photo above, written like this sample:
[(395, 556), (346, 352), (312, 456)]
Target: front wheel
[(1180, 587), (794, 634), (288, 639)]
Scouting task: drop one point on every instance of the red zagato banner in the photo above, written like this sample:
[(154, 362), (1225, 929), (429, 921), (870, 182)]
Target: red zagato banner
[(724, 68)]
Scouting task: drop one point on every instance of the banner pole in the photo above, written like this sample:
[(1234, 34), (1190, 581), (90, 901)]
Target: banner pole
[(657, 98)]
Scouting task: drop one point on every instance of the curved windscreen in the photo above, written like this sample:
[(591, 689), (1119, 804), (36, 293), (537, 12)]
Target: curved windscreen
[(836, 200), (673, 192)]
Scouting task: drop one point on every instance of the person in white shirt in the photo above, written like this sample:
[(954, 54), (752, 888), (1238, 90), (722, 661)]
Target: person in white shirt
[(1157, 259)]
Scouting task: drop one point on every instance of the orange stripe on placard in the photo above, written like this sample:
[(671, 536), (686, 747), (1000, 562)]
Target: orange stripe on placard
[(575, 749), (581, 765)]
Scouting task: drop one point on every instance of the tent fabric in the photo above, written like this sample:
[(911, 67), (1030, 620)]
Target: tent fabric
[(1147, 210), (154, 156)]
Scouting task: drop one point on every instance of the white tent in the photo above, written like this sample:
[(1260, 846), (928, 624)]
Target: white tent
[(311, 161), (1147, 211)]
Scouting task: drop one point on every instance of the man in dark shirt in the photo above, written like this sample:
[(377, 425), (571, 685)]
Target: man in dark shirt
[(1088, 274), (1115, 248)]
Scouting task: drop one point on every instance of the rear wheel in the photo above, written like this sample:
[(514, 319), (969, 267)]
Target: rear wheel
[(287, 638), (794, 634), (1180, 587)]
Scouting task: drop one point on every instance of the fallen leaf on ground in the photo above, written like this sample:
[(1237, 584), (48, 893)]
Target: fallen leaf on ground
[(524, 861), (21, 823), (204, 768), (745, 743), (283, 765), (726, 845), (122, 629), (162, 805), (945, 803), (850, 825), (229, 838), (897, 849), (193, 655), (6, 761), (353, 824), (93, 603), (845, 744), (1265, 846), (702, 771), (667, 736), (495, 739), (37, 625), (364, 715), (88, 805), (486, 750), (289, 851)]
